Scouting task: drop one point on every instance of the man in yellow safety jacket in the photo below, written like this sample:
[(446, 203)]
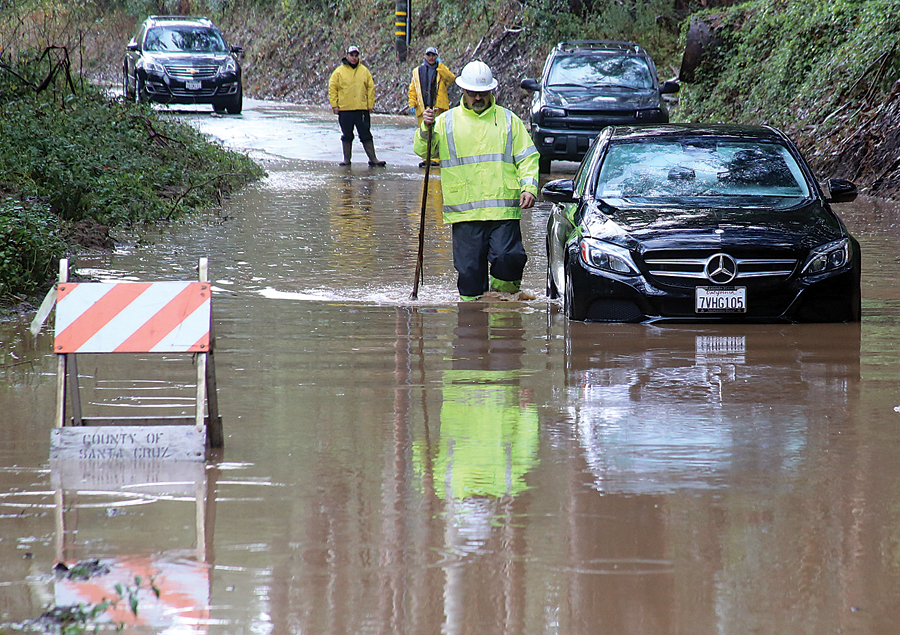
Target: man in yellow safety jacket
[(489, 174), (428, 88), (351, 91)]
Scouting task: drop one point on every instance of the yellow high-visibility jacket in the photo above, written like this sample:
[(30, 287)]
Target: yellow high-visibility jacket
[(445, 77), (487, 161), (351, 88)]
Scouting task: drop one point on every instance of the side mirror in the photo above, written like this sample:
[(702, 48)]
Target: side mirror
[(840, 191), (132, 46), (238, 50), (559, 191), (530, 85), (669, 86)]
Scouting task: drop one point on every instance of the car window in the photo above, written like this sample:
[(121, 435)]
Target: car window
[(592, 71), (184, 38), (700, 167)]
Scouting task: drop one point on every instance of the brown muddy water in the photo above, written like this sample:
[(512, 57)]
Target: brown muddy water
[(435, 468)]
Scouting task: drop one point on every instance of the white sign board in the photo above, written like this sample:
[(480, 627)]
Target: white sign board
[(122, 443)]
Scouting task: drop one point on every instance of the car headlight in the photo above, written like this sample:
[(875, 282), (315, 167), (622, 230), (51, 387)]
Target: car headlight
[(607, 257), (827, 258), (230, 66), (152, 67), (553, 112)]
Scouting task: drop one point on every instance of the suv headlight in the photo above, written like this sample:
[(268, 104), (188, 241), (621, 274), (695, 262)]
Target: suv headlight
[(230, 66), (607, 257), (150, 66), (546, 111), (827, 258), (649, 113)]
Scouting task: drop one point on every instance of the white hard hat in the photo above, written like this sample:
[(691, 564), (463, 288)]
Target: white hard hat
[(477, 77)]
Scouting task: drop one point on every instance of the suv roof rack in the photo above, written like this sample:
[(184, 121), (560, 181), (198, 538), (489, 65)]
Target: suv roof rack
[(180, 17), (574, 45)]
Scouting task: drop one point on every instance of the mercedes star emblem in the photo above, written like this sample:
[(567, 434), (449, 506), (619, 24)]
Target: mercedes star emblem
[(720, 269)]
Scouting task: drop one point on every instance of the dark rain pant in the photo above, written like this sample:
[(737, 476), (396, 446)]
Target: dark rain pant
[(479, 244), (348, 119)]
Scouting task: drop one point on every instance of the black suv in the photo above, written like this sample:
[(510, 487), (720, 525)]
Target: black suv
[(180, 60), (586, 86)]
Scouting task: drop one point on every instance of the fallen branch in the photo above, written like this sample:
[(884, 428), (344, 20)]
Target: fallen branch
[(195, 187), (158, 137)]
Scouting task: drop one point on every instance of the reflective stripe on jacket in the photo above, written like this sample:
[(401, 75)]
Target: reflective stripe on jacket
[(487, 161), (445, 77), (351, 88)]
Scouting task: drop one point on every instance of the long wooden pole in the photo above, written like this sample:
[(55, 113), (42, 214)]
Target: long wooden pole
[(421, 256), (430, 99)]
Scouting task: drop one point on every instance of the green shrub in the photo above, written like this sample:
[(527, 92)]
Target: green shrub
[(30, 247)]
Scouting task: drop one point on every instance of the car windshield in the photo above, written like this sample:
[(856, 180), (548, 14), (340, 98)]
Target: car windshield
[(701, 167), (188, 39), (591, 71)]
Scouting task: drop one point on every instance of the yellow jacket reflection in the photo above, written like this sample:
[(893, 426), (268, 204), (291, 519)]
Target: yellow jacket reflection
[(489, 424), (489, 436)]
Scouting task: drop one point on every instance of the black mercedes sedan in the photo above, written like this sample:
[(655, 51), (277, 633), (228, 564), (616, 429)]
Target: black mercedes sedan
[(694, 223)]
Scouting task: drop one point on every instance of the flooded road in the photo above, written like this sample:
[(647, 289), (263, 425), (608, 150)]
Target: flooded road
[(429, 467)]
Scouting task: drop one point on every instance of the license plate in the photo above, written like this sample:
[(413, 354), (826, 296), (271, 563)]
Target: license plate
[(192, 85), (720, 300)]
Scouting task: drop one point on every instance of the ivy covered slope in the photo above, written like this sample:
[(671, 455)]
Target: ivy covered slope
[(71, 156), (825, 71)]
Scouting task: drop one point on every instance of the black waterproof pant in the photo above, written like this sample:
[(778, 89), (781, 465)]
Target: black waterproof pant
[(483, 247), (348, 119)]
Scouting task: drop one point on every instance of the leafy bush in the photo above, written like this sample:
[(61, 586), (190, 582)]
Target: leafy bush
[(30, 246), (88, 155)]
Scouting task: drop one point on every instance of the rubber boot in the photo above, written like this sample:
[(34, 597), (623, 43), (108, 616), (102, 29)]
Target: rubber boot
[(370, 150), (348, 151)]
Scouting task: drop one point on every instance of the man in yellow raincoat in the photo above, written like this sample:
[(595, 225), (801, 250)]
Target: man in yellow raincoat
[(489, 174), (351, 91), (428, 87)]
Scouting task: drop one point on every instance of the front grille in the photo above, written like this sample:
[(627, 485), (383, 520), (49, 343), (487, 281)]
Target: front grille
[(190, 71), (606, 310), (591, 120), (203, 92), (687, 272)]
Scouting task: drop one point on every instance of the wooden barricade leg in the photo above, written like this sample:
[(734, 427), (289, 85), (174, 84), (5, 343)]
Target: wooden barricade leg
[(200, 415), (61, 364), (74, 394), (214, 433)]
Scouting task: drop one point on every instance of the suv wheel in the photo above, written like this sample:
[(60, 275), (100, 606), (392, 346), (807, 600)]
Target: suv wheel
[(544, 164), (235, 105), (140, 94)]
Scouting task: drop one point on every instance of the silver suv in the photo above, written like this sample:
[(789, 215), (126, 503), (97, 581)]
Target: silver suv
[(182, 60)]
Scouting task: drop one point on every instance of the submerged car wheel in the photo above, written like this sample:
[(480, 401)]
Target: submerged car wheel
[(552, 291), (569, 299)]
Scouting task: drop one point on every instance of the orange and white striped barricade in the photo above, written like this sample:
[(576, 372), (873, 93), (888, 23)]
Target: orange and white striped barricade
[(135, 317)]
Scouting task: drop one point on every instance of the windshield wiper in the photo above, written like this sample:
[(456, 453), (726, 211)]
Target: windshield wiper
[(567, 85)]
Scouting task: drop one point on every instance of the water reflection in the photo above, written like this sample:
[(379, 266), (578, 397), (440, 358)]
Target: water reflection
[(89, 493), (658, 409)]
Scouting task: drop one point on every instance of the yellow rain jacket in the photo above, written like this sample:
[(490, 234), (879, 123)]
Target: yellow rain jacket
[(445, 77), (351, 88), (487, 161)]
